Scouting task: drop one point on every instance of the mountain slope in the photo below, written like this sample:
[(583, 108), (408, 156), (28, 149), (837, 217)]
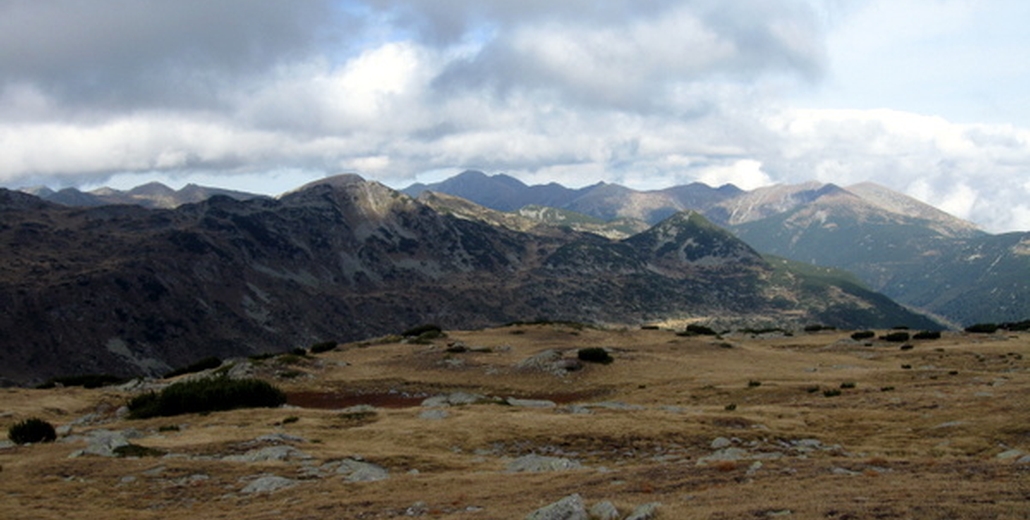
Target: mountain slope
[(150, 195), (127, 290)]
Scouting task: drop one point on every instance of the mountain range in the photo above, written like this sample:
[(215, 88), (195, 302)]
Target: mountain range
[(129, 290), (912, 252)]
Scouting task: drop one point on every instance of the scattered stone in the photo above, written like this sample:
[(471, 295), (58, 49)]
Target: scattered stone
[(647, 511), (568, 508), (720, 443), (755, 466), (435, 414), (845, 471), (575, 409), (453, 399), (725, 454), (103, 443), (361, 471), (280, 437), (1009, 454), (604, 510), (268, 484), (269, 454), (530, 403), (534, 463), (1024, 460), (616, 405)]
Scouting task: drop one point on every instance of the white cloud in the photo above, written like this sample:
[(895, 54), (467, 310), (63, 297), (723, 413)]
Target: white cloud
[(647, 94)]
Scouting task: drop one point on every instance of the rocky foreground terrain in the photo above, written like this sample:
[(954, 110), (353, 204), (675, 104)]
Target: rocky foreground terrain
[(509, 423)]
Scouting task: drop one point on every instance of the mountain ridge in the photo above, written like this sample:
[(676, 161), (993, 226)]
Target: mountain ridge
[(130, 290)]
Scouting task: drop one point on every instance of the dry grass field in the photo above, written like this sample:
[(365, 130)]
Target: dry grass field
[(729, 427)]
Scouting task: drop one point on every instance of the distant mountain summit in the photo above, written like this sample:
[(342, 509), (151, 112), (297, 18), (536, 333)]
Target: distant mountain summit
[(911, 251), (150, 195), (130, 290)]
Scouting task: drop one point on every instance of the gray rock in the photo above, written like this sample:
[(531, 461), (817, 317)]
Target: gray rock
[(647, 511), (1009, 454), (434, 415), (725, 454), (616, 405), (103, 442), (281, 437), (361, 471), (568, 508), (268, 484), (453, 399), (534, 463), (530, 403), (1024, 460), (720, 443), (269, 454), (604, 510)]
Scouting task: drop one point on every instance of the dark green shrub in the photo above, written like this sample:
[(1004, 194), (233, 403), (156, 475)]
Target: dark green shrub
[(421, 330), (204, 364), (85, 381), (206, 395), (862, 334), (983, 328), (927, 334), (818, 328), (896, 337), (321, 347), (832, 392), (731, 407), (137, 451), (697, 330), (595, 355), (31, 430), (299, 351), (847, 384), (906, 346), (753, 383)]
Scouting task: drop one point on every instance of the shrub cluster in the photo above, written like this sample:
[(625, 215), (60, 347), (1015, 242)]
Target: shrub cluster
[(697, 330), (983, 328), (206, 395), (324, 346), (896, 337), (927, 334), (862, 334), (595, 355), (31, 430)]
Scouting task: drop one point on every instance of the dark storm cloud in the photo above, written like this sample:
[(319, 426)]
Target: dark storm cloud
[(150, 53)]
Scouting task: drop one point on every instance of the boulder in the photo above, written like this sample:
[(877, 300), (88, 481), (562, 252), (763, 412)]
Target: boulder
[(568, 508)]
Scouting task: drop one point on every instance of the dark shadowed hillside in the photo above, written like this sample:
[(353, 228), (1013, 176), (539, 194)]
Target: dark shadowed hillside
[(129, 290)]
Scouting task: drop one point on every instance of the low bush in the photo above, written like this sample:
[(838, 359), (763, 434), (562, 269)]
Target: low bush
[(324, 346), (421, 330), (983, 328), (862, 334), (753, 383), (206, 395), (847, 384), (818, 328), (697, 330), (204, 364), (927, 334), (595, 355), (896, 337), (31, 430), (832, 392)]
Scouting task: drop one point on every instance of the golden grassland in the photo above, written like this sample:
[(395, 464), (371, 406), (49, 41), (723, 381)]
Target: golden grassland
[(921, 441)]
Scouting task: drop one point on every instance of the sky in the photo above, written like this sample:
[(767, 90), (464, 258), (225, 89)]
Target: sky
[(926, 97)]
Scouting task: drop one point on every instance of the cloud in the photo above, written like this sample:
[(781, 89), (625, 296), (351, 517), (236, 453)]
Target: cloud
[(646, 94)]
